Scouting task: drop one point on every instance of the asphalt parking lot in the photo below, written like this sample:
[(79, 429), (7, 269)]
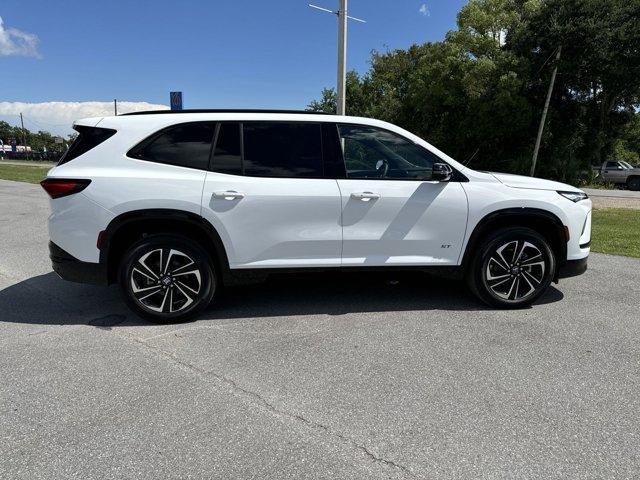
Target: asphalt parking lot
[(323, 377)]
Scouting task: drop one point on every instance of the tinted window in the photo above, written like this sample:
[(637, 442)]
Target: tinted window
[(273, 149), (226, 154), (374, 153), (88, 138), (186, 145)]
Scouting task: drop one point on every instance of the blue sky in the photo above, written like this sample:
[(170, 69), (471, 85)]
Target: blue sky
[(242, 53)]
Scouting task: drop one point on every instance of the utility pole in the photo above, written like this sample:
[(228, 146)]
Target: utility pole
[(115, 107), (341, 84), (544, 113), (342, 58), (24, 136)]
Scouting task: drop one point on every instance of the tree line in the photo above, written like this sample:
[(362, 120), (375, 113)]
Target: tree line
[(479, 94), (43, 144)]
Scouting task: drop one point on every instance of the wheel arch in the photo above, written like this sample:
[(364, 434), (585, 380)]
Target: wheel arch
[(631, 178), (542, 221), (129, 227)]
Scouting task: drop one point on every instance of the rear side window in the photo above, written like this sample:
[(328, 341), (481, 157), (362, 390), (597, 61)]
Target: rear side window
[(88, 138), (280, 149), (184, 145), (227, 156)]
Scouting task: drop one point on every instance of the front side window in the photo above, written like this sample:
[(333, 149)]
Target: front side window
[(371, 152), (626, 166), (613, 165), (185, 145), (281, 149)]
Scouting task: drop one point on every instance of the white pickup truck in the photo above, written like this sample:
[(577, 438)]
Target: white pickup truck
[(621, 172)]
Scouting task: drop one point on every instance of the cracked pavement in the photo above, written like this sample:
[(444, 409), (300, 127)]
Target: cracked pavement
[(329, 376)]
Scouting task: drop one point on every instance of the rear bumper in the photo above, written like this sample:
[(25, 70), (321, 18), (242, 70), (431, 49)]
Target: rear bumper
[(573, 268), (70, 268)]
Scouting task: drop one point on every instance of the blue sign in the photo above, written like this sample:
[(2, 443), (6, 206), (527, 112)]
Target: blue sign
[(175, 99)]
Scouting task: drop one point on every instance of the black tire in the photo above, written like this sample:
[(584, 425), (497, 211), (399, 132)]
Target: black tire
[(634, 184), (498, 275), (167, 257)]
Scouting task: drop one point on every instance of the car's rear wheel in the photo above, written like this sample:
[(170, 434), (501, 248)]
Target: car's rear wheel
[(512, 268), (167, 278)]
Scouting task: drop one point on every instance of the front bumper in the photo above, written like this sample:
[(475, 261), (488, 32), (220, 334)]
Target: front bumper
[(573, 268), (70, 268)]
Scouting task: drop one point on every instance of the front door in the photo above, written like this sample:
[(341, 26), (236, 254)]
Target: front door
[(392, 213), (267, 198)]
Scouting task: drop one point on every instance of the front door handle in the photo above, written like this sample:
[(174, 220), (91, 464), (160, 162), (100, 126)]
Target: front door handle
[(228, 195), (365, 196)]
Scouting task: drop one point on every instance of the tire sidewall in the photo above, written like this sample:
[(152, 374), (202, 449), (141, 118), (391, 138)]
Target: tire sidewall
[(200, 257), (487, 249)]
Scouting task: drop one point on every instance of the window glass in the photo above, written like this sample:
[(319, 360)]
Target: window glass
[(88, 138), (612, 165), (185, 145), (375, 153), (626, 165), (226, 154), (279, 149)]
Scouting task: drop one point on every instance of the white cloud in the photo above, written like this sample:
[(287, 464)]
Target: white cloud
[(58, 117), (17, 42), (424, 10)]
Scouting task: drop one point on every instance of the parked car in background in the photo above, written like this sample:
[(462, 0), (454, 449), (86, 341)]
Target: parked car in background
[(173, 205), (621, 173)]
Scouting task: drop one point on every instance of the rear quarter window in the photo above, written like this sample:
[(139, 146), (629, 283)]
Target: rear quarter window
[(88, 138)]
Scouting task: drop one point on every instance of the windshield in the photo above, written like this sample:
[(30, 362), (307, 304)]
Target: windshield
[(626, 165)]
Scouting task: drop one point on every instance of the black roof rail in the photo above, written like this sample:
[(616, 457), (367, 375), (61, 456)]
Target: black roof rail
[(224, 110)]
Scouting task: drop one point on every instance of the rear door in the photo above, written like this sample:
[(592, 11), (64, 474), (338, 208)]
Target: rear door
[(267, 196), (392, 213)]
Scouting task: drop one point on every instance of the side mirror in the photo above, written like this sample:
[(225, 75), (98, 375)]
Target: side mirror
[(441, 172)]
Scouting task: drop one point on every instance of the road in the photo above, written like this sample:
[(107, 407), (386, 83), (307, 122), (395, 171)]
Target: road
[(614, 198), (331, 377)]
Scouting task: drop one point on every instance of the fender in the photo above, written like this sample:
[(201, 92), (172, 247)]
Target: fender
[(507, 216), (192, 220)]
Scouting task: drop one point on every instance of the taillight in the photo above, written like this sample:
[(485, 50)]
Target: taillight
[(61, 187)]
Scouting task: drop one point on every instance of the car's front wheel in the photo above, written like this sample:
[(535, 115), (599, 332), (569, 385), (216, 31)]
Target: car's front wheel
[(167, 278), (512, 268), (634, 184)]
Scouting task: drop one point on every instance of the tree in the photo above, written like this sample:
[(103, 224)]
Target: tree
[(479, 93)]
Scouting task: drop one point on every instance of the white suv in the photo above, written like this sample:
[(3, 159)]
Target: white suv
[(172, 205)]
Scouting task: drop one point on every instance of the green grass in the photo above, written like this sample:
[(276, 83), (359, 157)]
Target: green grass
[(616, 231), (23, 173)]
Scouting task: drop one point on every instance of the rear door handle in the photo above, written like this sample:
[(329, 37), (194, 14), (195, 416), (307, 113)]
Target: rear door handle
[(228, 195), (365, 196)]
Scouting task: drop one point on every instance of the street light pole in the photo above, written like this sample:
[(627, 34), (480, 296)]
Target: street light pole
[(342, 58), (341, 84)]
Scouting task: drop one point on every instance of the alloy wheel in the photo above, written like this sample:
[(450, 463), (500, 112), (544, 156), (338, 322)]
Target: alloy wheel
[(516, 270), (165, 280)]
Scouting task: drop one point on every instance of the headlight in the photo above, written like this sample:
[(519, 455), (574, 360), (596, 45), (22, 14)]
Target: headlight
[(574, 196)]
